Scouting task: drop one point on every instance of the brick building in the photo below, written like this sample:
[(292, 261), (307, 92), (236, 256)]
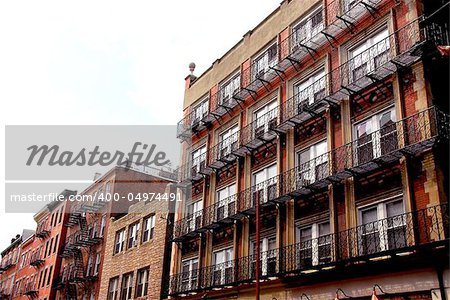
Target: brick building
[(313, 156), (88, 224), (137, 252), (11, 263)]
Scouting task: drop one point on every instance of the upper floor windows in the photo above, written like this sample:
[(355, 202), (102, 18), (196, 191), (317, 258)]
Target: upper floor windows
[(313, 163), (194, 215), (348, 4), (189, 278), (268, 261), (228, 88), (264, 61), (369, 55), (228, 140), (308, 27), (127, 286), (310, 90), (120, 241), (314, 243), (149, 228), (223, 265), (200, 111), (133, 233), (383, 227), (142, 282), (113, 288), (226, 203), (264, 117), (376, 136), (265, 184), (198, 159)]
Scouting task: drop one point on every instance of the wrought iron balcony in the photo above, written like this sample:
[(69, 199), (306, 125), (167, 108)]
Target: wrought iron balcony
[(409, 136), (7, 264), (400, 235), (76, 273), (30, 289), (189, 226), (193, 122), (224, 101), (80, 239), (224, 153), (261, 131), (5, 293), (194, 169), (36, 259), (43, 229)]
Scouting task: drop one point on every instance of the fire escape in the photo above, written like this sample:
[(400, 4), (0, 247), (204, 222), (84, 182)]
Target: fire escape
[(84, 236)]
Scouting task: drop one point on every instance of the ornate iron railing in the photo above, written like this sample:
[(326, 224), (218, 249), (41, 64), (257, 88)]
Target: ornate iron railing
[(193, 169), (393, 235), (30, 288), (222, 153), (37, 258), (188, 225), (260, 130), (43, 228)]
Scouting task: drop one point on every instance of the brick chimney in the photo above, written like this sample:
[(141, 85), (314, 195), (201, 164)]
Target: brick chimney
[(191, 77)]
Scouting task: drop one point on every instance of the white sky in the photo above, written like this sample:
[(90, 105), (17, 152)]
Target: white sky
[(111, 62)]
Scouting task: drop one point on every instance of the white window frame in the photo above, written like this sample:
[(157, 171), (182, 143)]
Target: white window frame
[(220, 267), (305, 90), (258, 184), (225, 198), (144, 282), (198, 157), (365, 53), (303, 30), (197, 212), (120, 240), (264, 116), (98, 258), (134, 236), (199, 111), (262, 62), (229, 88), (192, 278), (227, 139), (315, 235), (375, 134), (316, 158), (149, 228), (264, 249), (381, 215)]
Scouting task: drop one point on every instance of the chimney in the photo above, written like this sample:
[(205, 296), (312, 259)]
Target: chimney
[(191, 77), (97, 176)]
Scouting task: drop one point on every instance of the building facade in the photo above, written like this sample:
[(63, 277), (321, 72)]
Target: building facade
[(137, 252), (88, 225), (313, 158)]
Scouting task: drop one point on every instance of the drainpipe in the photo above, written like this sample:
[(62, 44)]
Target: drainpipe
[(440, 275), (257, 252)]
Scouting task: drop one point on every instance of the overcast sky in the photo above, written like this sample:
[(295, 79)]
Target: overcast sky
[(111, 62)]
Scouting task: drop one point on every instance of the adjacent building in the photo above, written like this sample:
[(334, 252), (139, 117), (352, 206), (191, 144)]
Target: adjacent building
[(137, 252), (89, 222), (314, 158)]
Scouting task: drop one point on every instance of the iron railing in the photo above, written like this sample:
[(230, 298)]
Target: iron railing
[(223, 153), (43, 229), (397, 234), (79, 239), (261, 130), (30, 289), (193, 169), (37, 258), (321, 29), (386, 145)]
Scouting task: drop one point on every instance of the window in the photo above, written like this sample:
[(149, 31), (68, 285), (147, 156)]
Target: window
[(113, 288), (314, 244), (265, 60), (89, 266), (120, 241), (149, 228), (348, 4), (55, 246), (189, 274), (44, 278), (127, 286), (133, 232), (228, 89), (194, 215), (50, 248), (49, 275), (198, 160), (306, 29), (46, 249), (313, 163), (51, 219), (383, 227), (376, 136), (265, 118), (102, 225), (108, 188), (60, 215), (369, 55), (98, 260), (226, 204), (310, 90), (268, 261), (264, 184), (142, 282), (228, 141), (223, 266), (200, 111)]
